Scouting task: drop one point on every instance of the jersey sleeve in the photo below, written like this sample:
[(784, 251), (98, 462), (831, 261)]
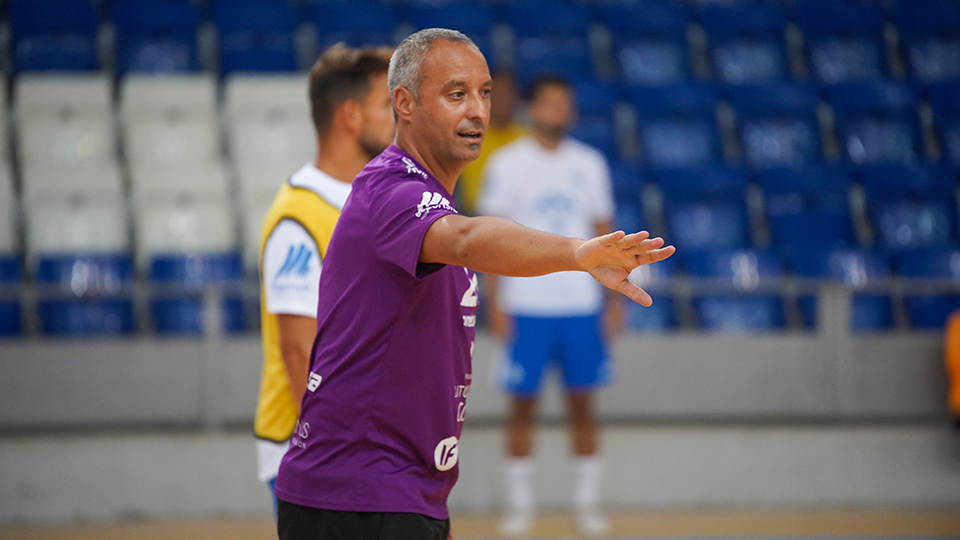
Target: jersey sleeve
[(400, 219), (291, 271)]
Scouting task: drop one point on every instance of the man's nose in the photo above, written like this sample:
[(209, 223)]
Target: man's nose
[(478, 108)]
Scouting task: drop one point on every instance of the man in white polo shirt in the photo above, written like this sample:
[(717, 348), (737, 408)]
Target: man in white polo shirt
[(550, 182)]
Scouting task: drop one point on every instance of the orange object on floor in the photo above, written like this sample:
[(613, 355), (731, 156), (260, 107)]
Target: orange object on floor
[(951, 357)]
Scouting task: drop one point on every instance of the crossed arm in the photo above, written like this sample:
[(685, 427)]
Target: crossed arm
[(499, 246)]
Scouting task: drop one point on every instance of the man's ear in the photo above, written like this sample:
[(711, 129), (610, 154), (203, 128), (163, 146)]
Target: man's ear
[(351, 115), (403, 103)]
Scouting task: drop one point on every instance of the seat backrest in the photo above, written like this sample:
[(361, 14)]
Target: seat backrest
[(269, 122), (8, 211), (568, 56), (76, 223), (746, 42), (256, 35), (808, 205), (149, 97), (544, 17), (744, 268), (359, 16), (53, 34), (777, 124), (471, 18), (930, 34), (50, 95), (52, 180), (945, 101), (877, 121), (183, 225), (855, 268), (844, 39), (739, 314), (172, 143), (940, 262), (677, 124), (156, 36), (206, 181)]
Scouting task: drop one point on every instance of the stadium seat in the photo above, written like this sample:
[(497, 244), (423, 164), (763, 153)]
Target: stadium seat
[(11, 275), (808, 206), (746, 307), (945, 101), (534, 18), (941, 264), (53, 35), (170, 122), (355, 22), (8, 212), (475, 19), (186, 242), (64, 120), (77, 222), (857, 270), (155, 36), (930, 37), (567, 56), (661, 316), (911, 206), (268, 126), (595, 126), (844, 39), (931, 311), (677, 125), (627, 181), (777, 124), (649, 40), (746, 43), (256, 35), (877, 121), (705, 209), (85, 295)]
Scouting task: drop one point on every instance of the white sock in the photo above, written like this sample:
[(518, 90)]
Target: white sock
[(587, 470), (519, 477)]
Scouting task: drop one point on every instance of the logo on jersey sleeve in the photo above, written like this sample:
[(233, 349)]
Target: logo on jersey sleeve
[(412, 167), (314, 382), (432, 201), (297, 262), (446, 454)]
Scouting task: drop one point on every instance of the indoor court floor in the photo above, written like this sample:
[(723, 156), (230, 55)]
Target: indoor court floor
[(670, 524)]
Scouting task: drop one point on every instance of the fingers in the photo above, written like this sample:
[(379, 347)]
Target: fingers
[(635, 293), (655, 255), (611, 239)]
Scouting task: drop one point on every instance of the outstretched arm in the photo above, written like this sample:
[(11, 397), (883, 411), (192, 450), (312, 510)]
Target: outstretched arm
[(499, 246)]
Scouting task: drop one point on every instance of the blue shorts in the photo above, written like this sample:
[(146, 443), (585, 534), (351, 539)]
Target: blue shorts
[(575, 344)]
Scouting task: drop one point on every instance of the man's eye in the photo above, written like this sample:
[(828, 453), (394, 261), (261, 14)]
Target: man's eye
[(457, 95)]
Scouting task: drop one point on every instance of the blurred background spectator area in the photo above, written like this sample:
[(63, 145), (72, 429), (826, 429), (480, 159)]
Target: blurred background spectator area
[(780, 145)]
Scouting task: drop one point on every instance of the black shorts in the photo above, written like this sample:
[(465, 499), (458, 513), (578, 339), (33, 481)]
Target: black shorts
[(295, 522)]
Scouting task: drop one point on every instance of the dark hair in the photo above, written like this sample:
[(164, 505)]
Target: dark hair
[(343, 73), (543, 81)]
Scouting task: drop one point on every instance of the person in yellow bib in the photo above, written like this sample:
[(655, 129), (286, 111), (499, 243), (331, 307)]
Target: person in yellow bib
[(353, 117)]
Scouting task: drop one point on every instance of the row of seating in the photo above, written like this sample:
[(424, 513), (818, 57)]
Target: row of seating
[(648, 41)]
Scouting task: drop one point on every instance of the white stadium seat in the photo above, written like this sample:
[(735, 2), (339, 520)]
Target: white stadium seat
[(149, 96), (45, 179), (75, 222), (205, 180), (268, 122), (64, 120), (8, 211), (183, 225)]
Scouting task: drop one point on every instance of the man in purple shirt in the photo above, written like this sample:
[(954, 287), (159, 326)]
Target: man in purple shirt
[(374, 454)]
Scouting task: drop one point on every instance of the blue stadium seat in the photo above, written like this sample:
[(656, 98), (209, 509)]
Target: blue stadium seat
[(857, 269), (11, 275), (85, 295), (877, 121), (256, 35), (744, 309), (595, 126), (943, 264), (746, 43), (355, 22), (568, 56), (536, 18), (808, 207), (930, 36), (844, 39), (156, 36), (661, 316), (628, 181), (705, 209), (777, 124), (945, 101), (53, 35), (178, 280), (649, 40), (912, 206), (677, 124), (475, 19)]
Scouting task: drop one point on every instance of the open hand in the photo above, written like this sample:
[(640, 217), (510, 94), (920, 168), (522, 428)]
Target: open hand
[(610, 258)]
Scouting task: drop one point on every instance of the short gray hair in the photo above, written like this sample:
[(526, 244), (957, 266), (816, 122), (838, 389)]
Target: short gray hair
[(406, 65)]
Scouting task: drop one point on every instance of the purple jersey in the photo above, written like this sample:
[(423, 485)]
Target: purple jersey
[(390, 373)]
